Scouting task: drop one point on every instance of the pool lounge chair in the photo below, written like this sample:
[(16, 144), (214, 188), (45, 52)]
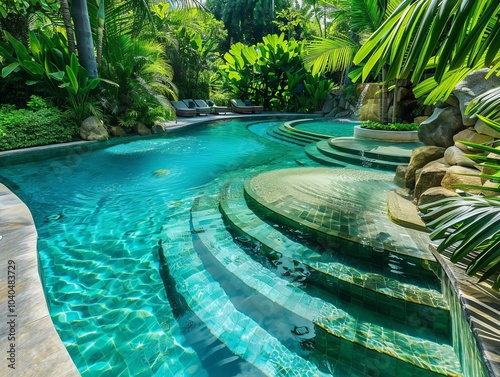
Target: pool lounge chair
[(181, 110), (199, 109), (238, 106), (215, 109)]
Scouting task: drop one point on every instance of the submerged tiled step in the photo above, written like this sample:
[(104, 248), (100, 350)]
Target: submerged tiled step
[(399, 353), (314, 154), (302, 134), (357, 284), (355, 157), (242, 335), (276, 133), (349, 204)]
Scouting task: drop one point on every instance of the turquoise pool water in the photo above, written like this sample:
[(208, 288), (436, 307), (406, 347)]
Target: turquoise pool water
[(332, 127), (106, 219)]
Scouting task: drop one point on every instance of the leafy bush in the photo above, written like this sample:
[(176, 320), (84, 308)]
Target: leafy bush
[(272, 73), (389, 127), (39, 124)]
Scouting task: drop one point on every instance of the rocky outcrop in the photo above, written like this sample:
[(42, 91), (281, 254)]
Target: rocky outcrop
[(435, 171), (440, 127), (419, 158), (93, 129)]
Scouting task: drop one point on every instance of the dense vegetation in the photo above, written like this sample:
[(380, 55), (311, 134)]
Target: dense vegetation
[(389, 127), (134, 57)]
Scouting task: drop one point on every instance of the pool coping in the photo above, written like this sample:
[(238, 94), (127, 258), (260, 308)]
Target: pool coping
[(33, 340)]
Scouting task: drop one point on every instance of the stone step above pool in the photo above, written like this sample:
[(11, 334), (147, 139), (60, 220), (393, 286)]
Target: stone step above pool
[(346, 152), (336, 330), (356, 281)]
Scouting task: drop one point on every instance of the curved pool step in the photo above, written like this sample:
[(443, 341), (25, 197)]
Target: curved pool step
[(360, 284), (276, 133), (337, 150), (336, 329), (205, 297), (331, 204), (312, 151)]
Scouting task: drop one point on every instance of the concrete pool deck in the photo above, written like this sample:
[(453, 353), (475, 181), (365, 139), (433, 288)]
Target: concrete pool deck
[(38, 349)]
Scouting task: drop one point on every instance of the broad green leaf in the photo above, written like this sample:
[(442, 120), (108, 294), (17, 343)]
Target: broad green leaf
[(6, 71)]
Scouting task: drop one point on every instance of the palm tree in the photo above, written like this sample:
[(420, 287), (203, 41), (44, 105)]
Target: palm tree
[(83, 32)]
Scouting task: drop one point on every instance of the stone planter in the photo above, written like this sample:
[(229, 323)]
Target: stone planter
[(385, 135)]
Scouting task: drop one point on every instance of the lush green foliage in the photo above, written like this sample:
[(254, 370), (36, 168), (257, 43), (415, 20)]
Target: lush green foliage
[(452, 38), (143, 77), (39, 124), (272, 73), (49, 63), (246, 21), (389, 127)]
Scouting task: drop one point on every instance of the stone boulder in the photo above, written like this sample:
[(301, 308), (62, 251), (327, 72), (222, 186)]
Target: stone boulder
[(419, 158), (488, 184), (482, 128), (440, 127), (455, 156), (118, 131), (455, 176), (399, 178), (158, 128), (470, 134), (472, 86), (93, 129), (141, 129), (420, 119), (429, 176), (434, 194)]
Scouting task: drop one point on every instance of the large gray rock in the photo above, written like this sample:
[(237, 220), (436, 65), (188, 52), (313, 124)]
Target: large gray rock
[(429, 176), (455, 156), (482, 128), (472, 86), (440, 127), (419, 158), (455, 176), (434, 194), (93, 129)]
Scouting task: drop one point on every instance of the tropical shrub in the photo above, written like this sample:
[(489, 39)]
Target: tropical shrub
[(389, 127), (49, 64), (144, 81), (272, 73), (40, 123)]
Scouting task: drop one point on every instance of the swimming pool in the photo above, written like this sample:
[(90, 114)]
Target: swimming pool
[(106, 219)]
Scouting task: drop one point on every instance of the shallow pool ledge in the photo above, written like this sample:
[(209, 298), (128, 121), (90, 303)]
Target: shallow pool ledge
[(27, 336)]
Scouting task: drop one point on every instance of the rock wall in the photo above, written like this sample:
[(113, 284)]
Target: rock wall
[(436, 168)]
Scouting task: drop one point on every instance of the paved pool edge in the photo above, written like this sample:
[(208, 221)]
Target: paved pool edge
[(30, 339)]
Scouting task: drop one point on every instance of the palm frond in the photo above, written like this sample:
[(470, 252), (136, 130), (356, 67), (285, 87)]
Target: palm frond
[(330, 55)]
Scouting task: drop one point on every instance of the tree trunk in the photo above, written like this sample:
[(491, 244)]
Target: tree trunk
[(67, 24), (383, 99), (85, 44)]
